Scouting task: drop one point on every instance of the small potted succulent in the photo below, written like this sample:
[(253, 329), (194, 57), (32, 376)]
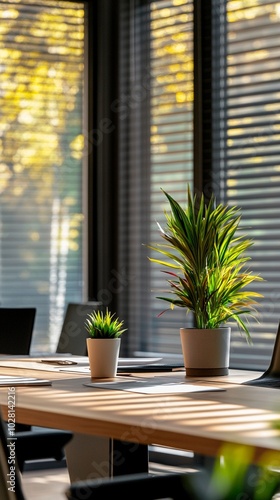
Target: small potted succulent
[(204, 256), (103, 343)]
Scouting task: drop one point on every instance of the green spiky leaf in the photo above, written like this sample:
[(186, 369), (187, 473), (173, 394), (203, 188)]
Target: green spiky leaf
[(104, 325), (206, 261)]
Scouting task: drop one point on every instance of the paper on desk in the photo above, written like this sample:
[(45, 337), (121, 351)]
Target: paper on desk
[(129, 363), (33, 364), (150, 387), (81, 366), (73, 369), (6, 380)]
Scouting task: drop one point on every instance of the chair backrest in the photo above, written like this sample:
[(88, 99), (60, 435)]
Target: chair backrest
[(171, 486), (274, 367), (235, 480), (16, 328), (271, 376), (73, 334), (10, 478)]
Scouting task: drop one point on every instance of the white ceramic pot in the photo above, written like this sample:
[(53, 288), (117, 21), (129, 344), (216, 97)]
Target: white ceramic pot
[(205, 351), (103, 355)]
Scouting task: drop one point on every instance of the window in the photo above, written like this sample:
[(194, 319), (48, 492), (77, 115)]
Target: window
[(41, 211), (156, 152), (239, 95), (248, 148)]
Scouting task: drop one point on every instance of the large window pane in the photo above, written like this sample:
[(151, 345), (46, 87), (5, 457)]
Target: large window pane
[(41, 213), (250, 157), (156, 153)]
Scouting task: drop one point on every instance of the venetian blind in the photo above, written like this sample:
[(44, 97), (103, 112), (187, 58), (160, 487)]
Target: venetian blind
[(156, 152), (249, 154), (41, 213)]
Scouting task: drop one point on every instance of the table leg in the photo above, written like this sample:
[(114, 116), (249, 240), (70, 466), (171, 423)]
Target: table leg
[(91, 457), (88, 457)]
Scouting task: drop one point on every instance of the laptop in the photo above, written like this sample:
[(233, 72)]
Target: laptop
[(271, 377)]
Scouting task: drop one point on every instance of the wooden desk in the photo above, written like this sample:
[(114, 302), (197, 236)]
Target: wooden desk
[(201, 422)]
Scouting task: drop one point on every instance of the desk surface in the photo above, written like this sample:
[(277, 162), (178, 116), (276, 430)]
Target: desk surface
[(201, 421)]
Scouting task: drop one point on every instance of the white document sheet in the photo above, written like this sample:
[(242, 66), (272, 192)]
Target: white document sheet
[(6, 380), (151, 387)]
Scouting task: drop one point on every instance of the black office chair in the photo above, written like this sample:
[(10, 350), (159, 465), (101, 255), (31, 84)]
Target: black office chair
[(271, 377), (73, 334), (16, 328), (50, 443), (197, 485), (144, 486), (231, 476), (41, 444)]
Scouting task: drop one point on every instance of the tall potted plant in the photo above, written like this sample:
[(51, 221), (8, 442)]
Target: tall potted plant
[(206, 273), (103, 343)]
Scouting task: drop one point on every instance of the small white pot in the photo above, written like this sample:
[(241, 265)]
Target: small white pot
[(205, 351), (103, 355)]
